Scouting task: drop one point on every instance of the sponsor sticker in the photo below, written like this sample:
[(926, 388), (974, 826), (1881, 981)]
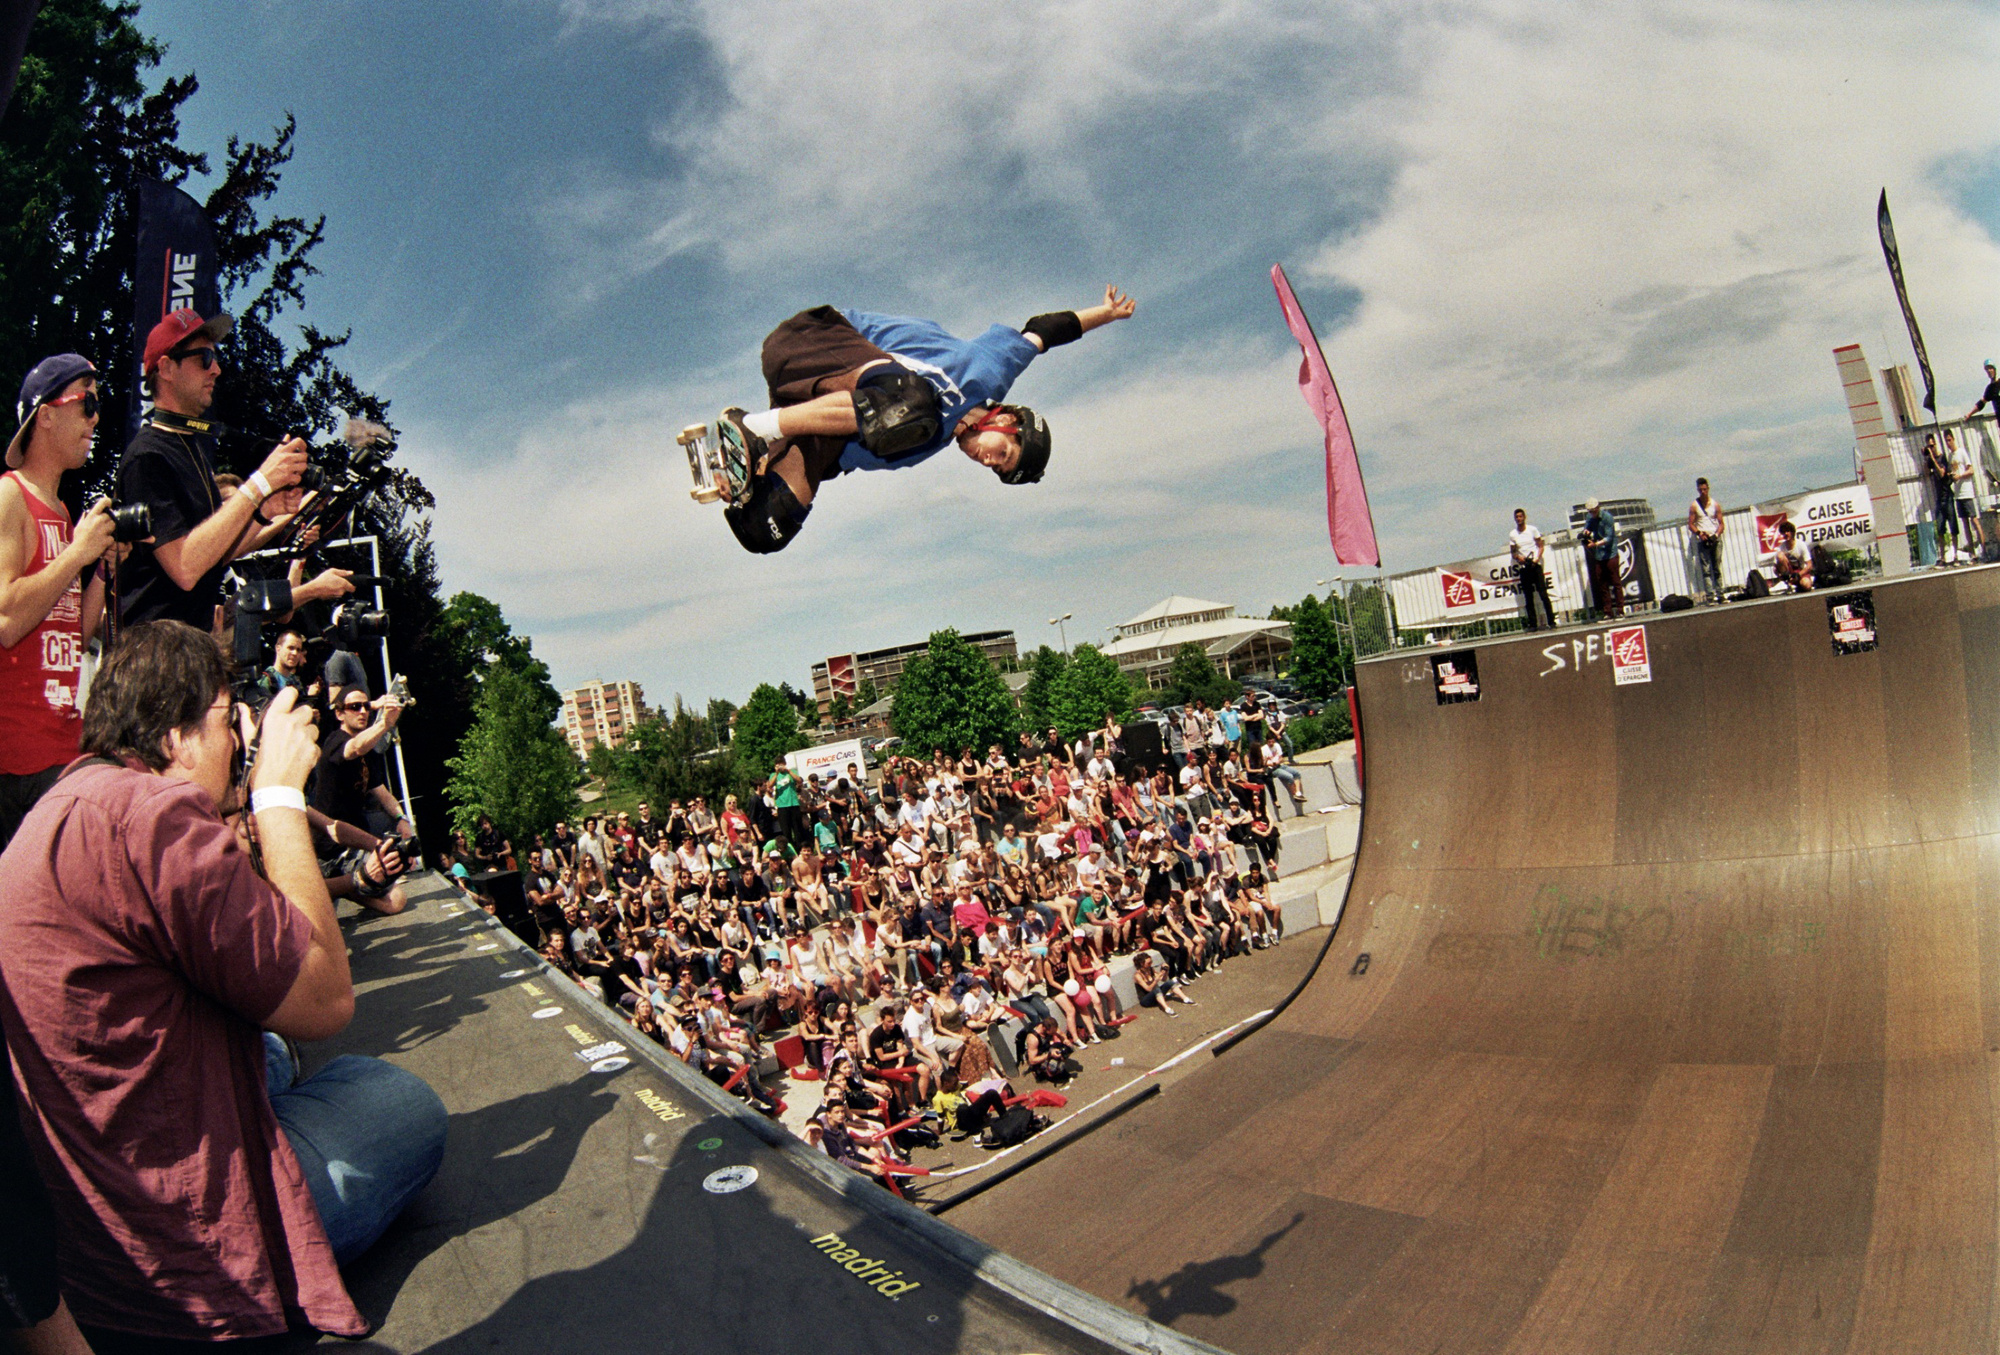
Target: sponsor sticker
[(1458, 589), (1851, 620), (1456, 675), (1630, 660), (729, 1180)]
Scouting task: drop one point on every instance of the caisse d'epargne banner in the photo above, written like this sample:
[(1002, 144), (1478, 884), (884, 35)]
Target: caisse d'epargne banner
[(1838, 519), (1471, 590)]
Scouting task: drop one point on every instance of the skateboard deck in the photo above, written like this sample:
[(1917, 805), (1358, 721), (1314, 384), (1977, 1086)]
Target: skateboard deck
[(719, 462)]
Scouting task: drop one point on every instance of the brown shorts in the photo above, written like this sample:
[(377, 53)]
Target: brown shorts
[(811, 354)]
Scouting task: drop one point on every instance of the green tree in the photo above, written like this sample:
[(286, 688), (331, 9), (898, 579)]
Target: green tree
[(865, 695), (1091, 687), (1319, 655), (767, 728), (951, 697), (513, 764), (1045, 668), (720, 713), (1194, 678), (667, 758), (840, 708)]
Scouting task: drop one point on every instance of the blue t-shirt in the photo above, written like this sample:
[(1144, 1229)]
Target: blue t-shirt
[(966, 372), (1232, 728)]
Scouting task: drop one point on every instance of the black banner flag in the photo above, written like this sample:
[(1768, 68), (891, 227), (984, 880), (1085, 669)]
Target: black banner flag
[(16, 18), (1888, 233), (176, 268)]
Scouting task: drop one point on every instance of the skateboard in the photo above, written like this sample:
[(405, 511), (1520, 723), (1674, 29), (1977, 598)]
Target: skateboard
[(719, 460)]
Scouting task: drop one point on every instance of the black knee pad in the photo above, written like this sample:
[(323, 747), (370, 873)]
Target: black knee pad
[(896, 412), (774, 515)]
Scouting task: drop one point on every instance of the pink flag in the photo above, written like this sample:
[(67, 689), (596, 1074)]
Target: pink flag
[(1348, 521)]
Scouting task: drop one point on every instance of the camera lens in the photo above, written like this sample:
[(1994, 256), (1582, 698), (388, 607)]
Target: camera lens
[(131, 522)]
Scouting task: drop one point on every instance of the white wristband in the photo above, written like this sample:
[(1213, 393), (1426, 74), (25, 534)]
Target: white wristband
[(263, 485), (277, 797)]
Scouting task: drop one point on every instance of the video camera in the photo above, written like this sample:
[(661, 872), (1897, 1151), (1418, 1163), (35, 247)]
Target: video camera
[(336, 489)]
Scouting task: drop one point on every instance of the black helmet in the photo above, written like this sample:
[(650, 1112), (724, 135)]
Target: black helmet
[(1034, 436)]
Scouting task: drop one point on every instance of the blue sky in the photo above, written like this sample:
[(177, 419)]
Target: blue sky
[(1552, 250)]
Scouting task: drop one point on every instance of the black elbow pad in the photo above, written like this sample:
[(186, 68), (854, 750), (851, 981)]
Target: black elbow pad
[(1056, 329)]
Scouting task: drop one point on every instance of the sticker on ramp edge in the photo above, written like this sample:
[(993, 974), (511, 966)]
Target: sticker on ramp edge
[(611, 1065), (709, 1145), (1631, 658), (1851, 619), (728, 1180), (515, 974), (544, 1013), (1456, 676)]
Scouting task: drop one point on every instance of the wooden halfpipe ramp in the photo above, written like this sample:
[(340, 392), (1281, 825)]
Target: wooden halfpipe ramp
[(1664, 1017)]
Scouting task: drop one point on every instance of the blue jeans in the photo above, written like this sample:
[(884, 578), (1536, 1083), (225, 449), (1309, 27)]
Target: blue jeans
[(369, 1136)]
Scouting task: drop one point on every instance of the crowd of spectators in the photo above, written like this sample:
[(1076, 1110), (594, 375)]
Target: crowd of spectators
[(891, 924)]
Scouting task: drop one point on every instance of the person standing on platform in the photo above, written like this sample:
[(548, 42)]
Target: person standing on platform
[(1600, 557), (1990, 400), (1524, 543), (1705, 527), (1964, 488)]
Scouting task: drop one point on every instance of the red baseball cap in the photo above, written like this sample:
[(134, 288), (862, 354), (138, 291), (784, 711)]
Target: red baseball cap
[(179, 327)]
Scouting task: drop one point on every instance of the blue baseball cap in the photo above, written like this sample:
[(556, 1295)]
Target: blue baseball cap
[(43, 383)]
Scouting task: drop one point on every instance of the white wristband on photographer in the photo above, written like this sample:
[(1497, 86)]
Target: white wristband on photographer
[(277, 797), (260, 483)]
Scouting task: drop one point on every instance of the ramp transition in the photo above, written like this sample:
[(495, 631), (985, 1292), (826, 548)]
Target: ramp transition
[(1663, 1017)]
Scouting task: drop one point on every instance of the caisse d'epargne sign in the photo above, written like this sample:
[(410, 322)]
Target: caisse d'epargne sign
[(1834, 518)]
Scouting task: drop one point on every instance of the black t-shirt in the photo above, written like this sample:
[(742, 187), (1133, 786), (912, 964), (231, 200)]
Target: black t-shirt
[(885, 1045), (341, 785), (751, 889), (1990, 400), (174, 475)]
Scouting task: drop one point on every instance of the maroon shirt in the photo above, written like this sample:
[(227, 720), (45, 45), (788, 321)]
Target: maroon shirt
[(140, 956)]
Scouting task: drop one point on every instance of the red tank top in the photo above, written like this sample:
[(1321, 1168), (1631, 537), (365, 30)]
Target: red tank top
[(40, 724)]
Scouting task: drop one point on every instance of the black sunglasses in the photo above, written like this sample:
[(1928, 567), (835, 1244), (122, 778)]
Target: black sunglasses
[(354, 705), (91, 404), (207, 357)]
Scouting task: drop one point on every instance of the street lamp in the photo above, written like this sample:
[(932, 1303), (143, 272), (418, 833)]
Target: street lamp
[(1062, 629)]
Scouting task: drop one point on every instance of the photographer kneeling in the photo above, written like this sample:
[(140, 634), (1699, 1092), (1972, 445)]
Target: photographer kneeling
[(351, 789), (201, 1193)]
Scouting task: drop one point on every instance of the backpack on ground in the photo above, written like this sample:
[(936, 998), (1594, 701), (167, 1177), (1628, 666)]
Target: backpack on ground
[(1016, 1124)]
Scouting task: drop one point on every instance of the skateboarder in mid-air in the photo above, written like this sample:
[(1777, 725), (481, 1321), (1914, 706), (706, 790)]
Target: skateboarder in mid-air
[(855, 391)]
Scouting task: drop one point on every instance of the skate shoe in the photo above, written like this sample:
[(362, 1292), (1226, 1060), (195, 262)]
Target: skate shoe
[(744, 457)]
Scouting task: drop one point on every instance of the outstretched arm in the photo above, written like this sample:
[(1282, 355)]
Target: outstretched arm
[(1047, 331)]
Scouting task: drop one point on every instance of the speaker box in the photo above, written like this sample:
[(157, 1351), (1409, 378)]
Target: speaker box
[(1145, 747), (510, 901)]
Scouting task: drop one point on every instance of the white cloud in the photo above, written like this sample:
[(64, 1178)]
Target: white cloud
[(1632, 234), (1616, 246)]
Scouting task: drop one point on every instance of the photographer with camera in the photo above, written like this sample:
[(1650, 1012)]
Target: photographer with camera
[(170, 467), (51, 592), (352, 785), (204, 1191)]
